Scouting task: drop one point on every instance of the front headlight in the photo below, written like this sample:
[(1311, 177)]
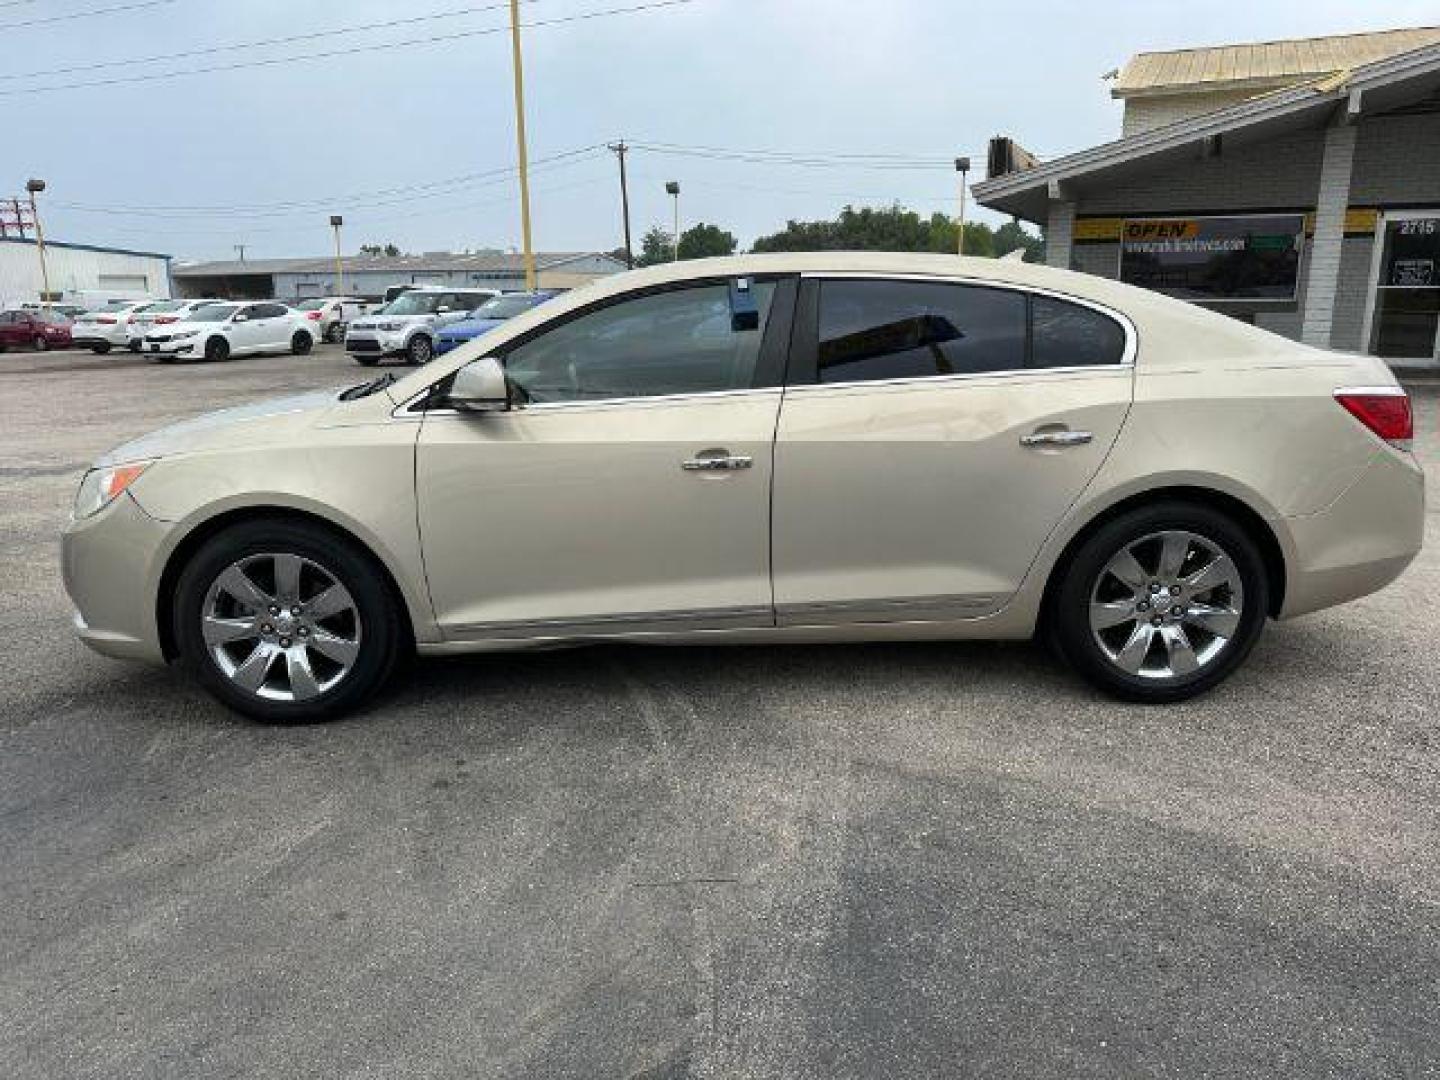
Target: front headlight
[(101, 486)]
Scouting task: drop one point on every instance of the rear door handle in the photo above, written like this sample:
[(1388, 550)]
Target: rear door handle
[(726, 463), (1056, 438)]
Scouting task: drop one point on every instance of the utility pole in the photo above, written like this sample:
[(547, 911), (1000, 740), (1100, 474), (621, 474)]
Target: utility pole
[(34, 187), (672, 188), (962, 166), (620, 148), (240, 250), (520, 143), (335, 222)]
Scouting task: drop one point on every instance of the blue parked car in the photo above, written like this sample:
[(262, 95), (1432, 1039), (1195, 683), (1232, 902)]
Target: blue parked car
[(488, 316)]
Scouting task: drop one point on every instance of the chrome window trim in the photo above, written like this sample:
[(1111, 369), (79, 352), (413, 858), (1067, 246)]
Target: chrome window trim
[(1127, 357), (407, 407)]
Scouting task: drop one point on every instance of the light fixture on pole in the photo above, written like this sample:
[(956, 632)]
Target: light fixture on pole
[(523, 162), (962, 166), (335, 222), (672, 188), (34, 187)]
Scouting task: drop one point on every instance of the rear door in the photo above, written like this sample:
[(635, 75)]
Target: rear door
[(933, 434)]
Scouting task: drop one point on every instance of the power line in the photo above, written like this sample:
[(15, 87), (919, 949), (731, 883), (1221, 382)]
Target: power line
[(131, 61), (68, 16), (826, 161), (434, 39)]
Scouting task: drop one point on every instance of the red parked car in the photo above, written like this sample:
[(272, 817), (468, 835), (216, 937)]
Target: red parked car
[(26, 328)]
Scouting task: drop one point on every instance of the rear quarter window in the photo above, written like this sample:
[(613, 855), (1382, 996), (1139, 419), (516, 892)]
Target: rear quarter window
[(1063, 334)]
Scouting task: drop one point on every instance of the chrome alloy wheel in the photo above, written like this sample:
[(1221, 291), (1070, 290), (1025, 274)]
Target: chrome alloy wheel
[(281, 627), (1166, 605)]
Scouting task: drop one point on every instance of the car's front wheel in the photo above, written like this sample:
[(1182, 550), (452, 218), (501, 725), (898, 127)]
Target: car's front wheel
[(100, 348), (420, 350), (286, 622), (301, 342), (217, 349), (1162, 603)]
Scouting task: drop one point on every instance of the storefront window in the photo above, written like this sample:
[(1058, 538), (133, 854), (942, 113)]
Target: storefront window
[(1407, 287)]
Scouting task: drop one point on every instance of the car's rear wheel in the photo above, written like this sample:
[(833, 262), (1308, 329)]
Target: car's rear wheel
[(217, 349), (1162, 603), (334, 332), (301, 342), (420, 350), (134, 345), (286, 622)]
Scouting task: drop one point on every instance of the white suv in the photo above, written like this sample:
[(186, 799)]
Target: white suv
[(406, 326)]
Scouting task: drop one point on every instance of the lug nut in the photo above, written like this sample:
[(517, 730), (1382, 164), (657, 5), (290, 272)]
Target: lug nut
[(1174, 590), (1154, 586), (274, 609), (284, 642), (267, 629), (304, 631)]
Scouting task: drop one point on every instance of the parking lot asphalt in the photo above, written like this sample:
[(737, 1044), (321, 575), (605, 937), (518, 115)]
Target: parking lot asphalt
[(897, 860)]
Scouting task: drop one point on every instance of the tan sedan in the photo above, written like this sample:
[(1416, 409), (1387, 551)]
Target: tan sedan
[(793, 448)]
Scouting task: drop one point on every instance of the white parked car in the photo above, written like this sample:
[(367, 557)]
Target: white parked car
[(769, 449), (406, 326), (218, 331), (107, 327), (331, 314), (160, 313)]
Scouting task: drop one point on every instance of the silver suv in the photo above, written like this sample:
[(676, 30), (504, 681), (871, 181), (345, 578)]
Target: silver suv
[(406, 326)]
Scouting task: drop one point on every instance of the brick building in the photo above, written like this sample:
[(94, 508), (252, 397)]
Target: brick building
[(1292, 184)]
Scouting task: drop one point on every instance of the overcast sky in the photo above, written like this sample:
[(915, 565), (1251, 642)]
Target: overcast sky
[(410, 143)]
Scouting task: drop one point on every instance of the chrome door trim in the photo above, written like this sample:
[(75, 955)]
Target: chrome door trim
[(908, 609), (628, 623)]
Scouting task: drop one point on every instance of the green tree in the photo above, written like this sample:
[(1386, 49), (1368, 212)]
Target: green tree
[(702, 241), (1013, 235), (655, 247), (891, 228), (390, 251)]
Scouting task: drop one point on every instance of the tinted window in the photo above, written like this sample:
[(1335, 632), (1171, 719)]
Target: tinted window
[(268, 311), (677, 342), (911, 329), (1068, 335)]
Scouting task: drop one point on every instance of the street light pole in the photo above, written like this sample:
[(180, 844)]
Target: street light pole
[(34, 187), (520, 143), (672, 188), (962, 166), (335, 222)]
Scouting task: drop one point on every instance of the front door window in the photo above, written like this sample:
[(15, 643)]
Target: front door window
[(1407, 289)]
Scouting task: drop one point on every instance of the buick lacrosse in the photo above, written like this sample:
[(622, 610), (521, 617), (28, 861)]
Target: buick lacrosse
[(766, 449)]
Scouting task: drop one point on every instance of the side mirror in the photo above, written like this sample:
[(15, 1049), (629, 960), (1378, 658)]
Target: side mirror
[(480, 386)]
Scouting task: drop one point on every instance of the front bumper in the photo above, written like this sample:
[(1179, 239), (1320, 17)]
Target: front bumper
[(111, 565), (183, 347), (376, 343)]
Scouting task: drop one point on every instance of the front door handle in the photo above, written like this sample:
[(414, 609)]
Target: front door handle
[(1056, 438), (723, 463)]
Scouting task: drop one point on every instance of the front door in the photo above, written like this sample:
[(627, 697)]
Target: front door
[(628, 491), (1405, 314), (935, 439)]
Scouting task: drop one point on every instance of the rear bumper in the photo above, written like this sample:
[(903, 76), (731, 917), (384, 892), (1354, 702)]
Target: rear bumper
[(1361, 542), (110, 563)]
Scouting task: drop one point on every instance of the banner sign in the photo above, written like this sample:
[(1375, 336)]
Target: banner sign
[(1250, 257)]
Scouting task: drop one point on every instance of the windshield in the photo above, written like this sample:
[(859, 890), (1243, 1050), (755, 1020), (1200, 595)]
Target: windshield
[(310, 305), (506, 307), (213, 313), (415, 303)]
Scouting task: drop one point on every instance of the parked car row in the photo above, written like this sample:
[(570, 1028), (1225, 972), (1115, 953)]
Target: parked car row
[(426, 322)]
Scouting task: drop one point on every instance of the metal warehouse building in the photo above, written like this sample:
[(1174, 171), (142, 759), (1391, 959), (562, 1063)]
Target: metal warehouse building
[(369, 276), (1292, 184), (79, 273)]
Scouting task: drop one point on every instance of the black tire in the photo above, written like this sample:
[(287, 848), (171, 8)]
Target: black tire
[(1067, 616), (135, 345), (40, 344), (100, 348), (217, 349), (301, 343), (365, 361), (420, 350), (381, 636), (333, 333)]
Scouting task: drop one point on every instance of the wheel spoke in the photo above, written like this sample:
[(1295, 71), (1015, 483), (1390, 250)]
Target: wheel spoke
[(1220, 621), (287, 578), (1219, 571), (336, 648), (1128, 571), (251, 674), (302, 678), (1179, 650), (1174, 546), (220, 631), (235, 582), (331, 602), (1132, 655), (1104, 615)]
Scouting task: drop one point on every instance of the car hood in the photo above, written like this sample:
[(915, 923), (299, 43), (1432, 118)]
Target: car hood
[(470, 328), (248, 424)]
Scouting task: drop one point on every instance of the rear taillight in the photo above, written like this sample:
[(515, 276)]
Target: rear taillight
[(167, 318), (106, 320), (1385, 410), (313, 315)]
